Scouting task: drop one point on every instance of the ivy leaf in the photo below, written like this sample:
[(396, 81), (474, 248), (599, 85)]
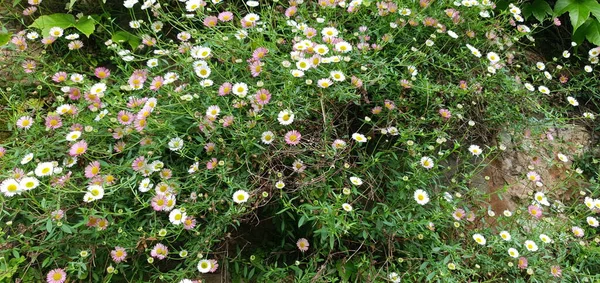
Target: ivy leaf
[(540, 9), (86, 25), (578, 16), (45, 23), (561, 6), (592, 33)]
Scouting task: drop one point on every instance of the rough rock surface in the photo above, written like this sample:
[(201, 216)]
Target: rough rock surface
[(537, 153)]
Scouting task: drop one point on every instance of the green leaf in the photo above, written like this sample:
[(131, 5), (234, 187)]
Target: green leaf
[(561, 6), (592, 33), (66, 229), (540, 9), (4, 38), (16, 2), (301, 221), (123, 36), (578, 16), (594, 7), (49, 226), (86, 25), (45, 23)]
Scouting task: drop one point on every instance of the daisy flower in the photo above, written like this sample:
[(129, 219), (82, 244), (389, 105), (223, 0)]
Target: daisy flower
[(175, 144), (427, 162), (356, 181), (29, 183), (10, 187), (337, 76), (118, 254), (505, 235), (592, 221), (25, 122), (347, 207), (302, 244), (577, 231), (475, 150), (493, 57), (535, 211), (159, 251), (421, 197), (479, 239), (533, 176), (545, 238), (338, 144), (204, 266), (267, 137), (240, 89), (56, 276), (285, 117), (572, 101), (359, 137), (240, 196), (44, 169), (458, 214), (556, 271), (177, 217), (56, 32), (513, 252), (522, 263), (293, 137), (324, 83), (531, 246), (27, 158), (79, 148), (92, 169)]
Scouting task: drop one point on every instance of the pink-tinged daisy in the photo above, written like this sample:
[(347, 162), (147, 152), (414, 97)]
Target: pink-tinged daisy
[(225, 16), (302, 244), (291, 11), (118, 254), (159, 202), (212, 164), (25, 122), (140, 124), (74, 93), (125, 117), (29, 11), (225, 89), (522, 263), (60, 77), (139, 163), (262, 96), (29, 66), (214, 265), (260, 53), (78, 148), (533, 176), (535, 211), (56, 276), (459, 214), (445, 113), (255, 68), (189, 223), (556, 271), (53, 121), (92, 170), (2, 151), (159, 251), (157, 83), (101, 73), (210, 21), (293, 137), (577, 231)]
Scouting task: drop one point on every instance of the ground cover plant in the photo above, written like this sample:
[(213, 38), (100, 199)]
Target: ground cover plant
[(300, 141)]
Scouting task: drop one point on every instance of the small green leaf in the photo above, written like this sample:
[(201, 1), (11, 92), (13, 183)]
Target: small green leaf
[(16, 2), (66, 229), (123, 36), (86, 25), (49, 226), (561, 6), (4, 38), (301, 221)]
